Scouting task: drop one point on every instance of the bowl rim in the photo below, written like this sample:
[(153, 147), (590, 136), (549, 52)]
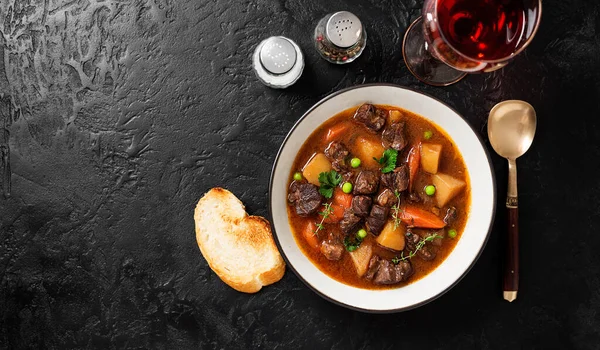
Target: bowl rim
[(323, 295)]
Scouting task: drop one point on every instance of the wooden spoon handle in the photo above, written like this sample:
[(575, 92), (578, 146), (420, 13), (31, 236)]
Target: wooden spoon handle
[(511, 262), (511, 265)]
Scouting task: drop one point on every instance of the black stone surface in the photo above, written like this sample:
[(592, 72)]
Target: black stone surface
[(116, 116)]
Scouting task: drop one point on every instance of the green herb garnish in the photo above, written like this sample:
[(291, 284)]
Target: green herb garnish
[(325, 214), (352, 242), (328, 181), (388, 160), (396, 210), (419, 246)]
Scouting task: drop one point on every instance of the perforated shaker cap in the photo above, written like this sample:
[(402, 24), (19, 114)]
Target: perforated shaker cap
[(278, 62), (278, 55), (343, 29)]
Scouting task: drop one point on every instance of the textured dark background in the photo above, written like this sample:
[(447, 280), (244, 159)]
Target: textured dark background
[(116, 116)]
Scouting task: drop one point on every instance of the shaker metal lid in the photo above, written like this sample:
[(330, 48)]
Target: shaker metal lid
[(278, 62), (277, 55), (343, 29)]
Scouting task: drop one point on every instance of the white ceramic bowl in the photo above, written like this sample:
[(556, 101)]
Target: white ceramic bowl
[(468, 248)]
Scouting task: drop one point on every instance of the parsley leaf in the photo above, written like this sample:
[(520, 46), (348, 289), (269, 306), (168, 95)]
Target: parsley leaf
[(328, 180), (388, 160), (353, 243), (326, 192)]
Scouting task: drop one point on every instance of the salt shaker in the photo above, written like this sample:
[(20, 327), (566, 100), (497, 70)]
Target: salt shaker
[(340, 37), (278, 62)]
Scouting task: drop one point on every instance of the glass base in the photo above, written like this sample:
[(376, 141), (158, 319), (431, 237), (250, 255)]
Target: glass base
[(421, 63)]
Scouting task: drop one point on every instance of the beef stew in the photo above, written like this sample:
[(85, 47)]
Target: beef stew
[(378, 197)]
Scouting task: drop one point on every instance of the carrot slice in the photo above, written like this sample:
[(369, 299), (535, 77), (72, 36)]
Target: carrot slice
[(413, 216), (342, 199), (340, 202), (309, 234), (336, 131), (414, 160)]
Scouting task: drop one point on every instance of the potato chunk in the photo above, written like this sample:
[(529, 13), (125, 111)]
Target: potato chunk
[(430, 157), (392, 238), (446, 188), (360, 258), (395, 116), (316, 165), (367, 149)]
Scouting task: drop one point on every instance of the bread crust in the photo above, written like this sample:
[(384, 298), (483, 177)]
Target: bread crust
[(250, 234)]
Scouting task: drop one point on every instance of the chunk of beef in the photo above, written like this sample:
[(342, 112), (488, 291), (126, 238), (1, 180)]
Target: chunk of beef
[(387, 198), (370, 116), (397, 180), (391, 274), (337, 153), (450, 216), (349, 222), (382, 271), (377, 218), (373, 267), (402, 178), (387, 180), (293, 194), (361, 205), (441, 233), (412, 240), (394, 136), (332, 247), (366, 182), (306, 198)]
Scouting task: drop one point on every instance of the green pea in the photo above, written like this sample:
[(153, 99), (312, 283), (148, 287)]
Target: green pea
[(430, 190), (362, 233), (347, 187), (452, 233), (355, 162), (298, 176), (427, 135)]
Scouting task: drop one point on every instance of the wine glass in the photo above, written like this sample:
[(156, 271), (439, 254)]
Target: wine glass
[(455, 37)]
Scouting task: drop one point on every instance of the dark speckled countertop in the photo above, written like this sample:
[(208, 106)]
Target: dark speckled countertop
[(116, 116)]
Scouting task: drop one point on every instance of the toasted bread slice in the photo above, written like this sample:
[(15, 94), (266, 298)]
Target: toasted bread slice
[(238, 248)]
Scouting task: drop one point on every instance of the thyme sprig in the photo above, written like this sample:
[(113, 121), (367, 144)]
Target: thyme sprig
[(419, 246), (325, 214), (396, 210)]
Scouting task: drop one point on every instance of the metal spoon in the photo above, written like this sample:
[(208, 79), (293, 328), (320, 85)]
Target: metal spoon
[(511, 127)]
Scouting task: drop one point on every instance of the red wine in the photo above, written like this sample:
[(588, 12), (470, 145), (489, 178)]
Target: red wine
[(482, 29)]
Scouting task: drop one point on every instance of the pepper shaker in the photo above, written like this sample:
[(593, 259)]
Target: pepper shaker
[(340, 37), (278, 62)]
